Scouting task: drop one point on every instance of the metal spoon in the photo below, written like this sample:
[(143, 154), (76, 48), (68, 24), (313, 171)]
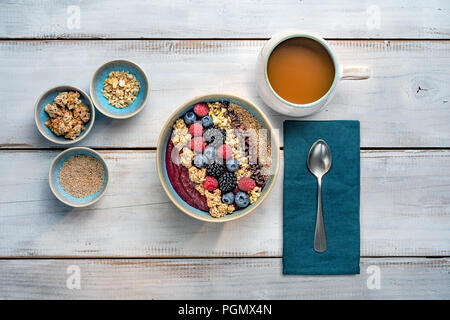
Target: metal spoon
[(319, 163)]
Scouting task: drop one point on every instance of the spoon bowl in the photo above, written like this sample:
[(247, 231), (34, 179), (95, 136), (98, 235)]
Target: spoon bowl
[(319, 163), (319, 158)]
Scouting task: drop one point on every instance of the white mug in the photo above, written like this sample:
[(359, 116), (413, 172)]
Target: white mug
[(273, 100)]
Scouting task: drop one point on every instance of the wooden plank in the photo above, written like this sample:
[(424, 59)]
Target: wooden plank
[(230, 19), (251, 278), (405, 104), (405, 210)]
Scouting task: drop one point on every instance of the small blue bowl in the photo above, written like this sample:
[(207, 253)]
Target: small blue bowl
[(101, 103), (40, 115), (59, 191)]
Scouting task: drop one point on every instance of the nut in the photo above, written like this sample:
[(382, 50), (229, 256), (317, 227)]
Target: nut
[(121, 88)]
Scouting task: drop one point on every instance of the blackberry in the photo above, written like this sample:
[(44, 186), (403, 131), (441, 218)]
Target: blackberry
[(227, 182), (214, 136), (215, 169)]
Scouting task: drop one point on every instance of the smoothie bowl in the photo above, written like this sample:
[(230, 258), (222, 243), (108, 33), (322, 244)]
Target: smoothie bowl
[(217, 157)]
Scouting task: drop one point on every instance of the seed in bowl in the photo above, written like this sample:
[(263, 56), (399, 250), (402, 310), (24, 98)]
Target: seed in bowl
[(67, 115), (81, 175), (219, 168), (121, 89)]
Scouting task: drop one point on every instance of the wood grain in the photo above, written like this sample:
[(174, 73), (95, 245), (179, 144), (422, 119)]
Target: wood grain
[(405, 211), (257, 278), (404, 104), (229, 19)]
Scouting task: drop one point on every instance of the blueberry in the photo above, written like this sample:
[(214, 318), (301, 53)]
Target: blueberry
[(210, 153), (242, 199), (232, 165), (207, 121), (200, 160), (228, 198), (189, 118)]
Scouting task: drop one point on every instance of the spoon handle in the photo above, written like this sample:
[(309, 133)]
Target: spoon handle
[(320, 240)]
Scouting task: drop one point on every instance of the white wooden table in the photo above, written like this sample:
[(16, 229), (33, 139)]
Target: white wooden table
[(134, 243)]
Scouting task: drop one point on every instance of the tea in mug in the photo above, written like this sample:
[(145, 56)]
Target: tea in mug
[(300, 70)]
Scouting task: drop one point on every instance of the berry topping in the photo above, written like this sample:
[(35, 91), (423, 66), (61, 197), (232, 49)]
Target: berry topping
[(196, 129), (198, 144), (227, 182), (228, 198), (232, 165), (246, 184), (200, 160), (207, 121), (201, 109), (214, 136), (210, 183), (215, 169), (224, 152), (236, 190), (210, 153), (189, 118), (242, 199)]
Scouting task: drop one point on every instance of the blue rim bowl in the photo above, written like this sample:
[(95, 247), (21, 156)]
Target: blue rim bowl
[(101, 103), (40, 115), (162, 147), (58, 190)]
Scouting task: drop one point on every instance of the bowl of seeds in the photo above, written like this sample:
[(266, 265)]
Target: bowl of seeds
[(78, 177), (64, 114), (119, 89)]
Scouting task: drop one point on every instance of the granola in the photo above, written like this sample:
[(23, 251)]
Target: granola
[(221, 144), (121, 88), (67, 115)]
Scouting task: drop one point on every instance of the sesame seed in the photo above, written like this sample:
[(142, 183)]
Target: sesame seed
[(81, 175)]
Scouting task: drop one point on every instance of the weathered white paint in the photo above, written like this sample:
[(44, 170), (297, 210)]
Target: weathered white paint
[(248, 278), (404, 104), (224, 19), (404, 194), (405, 210)]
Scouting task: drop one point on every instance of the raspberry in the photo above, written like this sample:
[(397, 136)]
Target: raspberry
[(210, 183), (201, 109), (196, 129), (224, 151), (236, 190), (246, 184), (198, 144)]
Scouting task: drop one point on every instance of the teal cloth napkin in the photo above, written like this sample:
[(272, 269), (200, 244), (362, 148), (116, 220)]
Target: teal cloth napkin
[(340, 199)]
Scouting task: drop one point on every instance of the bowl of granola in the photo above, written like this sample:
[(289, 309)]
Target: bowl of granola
[(217, 157), (119, 89), (64, 114)]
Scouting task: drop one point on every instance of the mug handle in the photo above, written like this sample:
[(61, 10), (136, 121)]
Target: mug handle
[(355, 72)]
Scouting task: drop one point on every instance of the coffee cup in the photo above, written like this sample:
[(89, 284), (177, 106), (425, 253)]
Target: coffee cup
[(297, 73)]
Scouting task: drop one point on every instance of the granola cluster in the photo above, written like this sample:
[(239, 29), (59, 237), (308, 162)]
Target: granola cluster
[(217, 143), (121, 88), (180, 134), (217, 208), (67, 115)]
